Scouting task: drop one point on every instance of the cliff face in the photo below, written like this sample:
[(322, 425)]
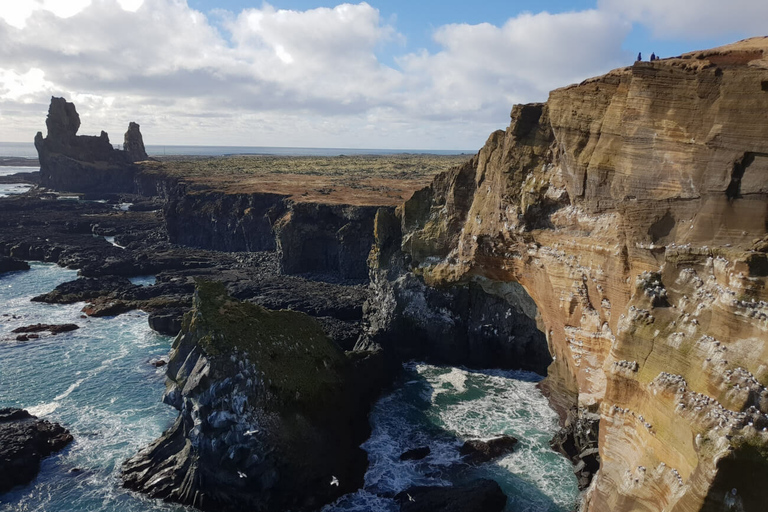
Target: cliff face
[(326, 239), (632, 210), (84, 163)]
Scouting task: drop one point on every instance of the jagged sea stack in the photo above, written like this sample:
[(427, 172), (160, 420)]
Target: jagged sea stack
[(270, 413), (85, 163)]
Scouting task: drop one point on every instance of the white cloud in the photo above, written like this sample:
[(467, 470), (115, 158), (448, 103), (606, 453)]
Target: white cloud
[(266, 76), (693, 19), (485, 68)]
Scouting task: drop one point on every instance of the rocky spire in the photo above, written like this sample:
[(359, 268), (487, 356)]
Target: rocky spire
[(133, 144)]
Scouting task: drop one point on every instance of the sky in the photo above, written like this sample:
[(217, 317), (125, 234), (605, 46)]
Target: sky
[(399, 74)]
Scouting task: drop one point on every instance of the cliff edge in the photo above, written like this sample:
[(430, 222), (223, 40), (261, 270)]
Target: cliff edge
[(629, 215)]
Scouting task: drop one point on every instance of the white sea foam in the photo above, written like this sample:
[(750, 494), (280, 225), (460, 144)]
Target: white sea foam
[(43, 409)]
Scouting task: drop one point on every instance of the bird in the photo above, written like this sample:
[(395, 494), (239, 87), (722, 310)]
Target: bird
[(410, 498), (334, 481), (241, 474), (251, 432)]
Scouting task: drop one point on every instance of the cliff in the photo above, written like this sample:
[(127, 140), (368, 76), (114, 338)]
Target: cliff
[(627, 218), (270, 412), (85, 163)]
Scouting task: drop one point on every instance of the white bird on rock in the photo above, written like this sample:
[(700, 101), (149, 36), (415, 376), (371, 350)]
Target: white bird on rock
[(334, 481)]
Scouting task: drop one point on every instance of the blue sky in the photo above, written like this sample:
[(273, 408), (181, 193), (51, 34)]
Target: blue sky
[(396, 74)]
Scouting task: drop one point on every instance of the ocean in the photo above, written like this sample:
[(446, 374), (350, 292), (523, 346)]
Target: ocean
[(27, 150), (97, 381)]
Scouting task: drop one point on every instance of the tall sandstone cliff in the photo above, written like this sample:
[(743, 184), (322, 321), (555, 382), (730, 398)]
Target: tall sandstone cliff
[(632, 209)]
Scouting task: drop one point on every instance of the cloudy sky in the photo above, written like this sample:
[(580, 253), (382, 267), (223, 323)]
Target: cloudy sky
[(408, 74)]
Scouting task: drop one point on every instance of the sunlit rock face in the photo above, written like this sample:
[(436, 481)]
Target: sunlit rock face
[(632, 209)]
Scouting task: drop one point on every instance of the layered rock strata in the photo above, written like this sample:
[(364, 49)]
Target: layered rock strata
[(270, 412), (631, 209)]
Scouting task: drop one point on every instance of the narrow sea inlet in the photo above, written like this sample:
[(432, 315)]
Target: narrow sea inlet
[(98, 383)]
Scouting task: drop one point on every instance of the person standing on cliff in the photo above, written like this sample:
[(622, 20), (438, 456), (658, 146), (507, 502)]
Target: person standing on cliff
[(639, 56), (653, 57)]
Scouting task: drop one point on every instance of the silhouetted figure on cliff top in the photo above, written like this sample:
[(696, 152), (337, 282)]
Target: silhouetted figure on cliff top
[(653, 57), (639, 56)]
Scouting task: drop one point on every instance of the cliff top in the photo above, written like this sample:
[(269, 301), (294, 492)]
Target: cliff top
[(360, 180), (752, 52)]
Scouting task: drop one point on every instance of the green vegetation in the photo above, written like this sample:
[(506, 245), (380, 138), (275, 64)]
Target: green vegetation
[(298, 363), (360, 180)]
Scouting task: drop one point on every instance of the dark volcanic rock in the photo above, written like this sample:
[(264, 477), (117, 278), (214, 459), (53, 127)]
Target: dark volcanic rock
[(416, 453), (52, 328), (270, 409), (24, 441), (11, 264), (82, 163), (166, 321), (577, 440), (326, 239), (84, 288), (476, 496), (476, 451), (133, 143)]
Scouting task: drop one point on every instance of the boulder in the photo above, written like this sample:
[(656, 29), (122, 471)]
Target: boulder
[(24, 441), (476, 451)]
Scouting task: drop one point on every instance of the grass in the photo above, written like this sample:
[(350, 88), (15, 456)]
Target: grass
[(362, 180), (297, 360)]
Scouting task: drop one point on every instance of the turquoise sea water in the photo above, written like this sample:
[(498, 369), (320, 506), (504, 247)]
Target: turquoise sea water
[(97, 381)]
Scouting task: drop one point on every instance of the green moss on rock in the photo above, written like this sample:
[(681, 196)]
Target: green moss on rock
[(296, 360)]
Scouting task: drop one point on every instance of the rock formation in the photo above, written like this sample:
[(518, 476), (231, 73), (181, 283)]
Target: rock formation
[(133, 144), (626, 218), (270, 412), (24, 442), (84, 163)]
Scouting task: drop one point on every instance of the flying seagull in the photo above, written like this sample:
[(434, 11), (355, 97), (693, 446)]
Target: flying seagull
[(334, 481), (410, 498), (241, 474), (251, 432)]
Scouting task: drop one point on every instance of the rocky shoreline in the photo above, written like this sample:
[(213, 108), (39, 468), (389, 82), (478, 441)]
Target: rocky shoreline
[(613, 238), (24, 441)]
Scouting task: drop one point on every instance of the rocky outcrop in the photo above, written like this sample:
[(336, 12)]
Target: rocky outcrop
[(476, 451), (133, 144), (270, 412), (84, 163), (223, 222), (631, 209), (8, 264), (24, 441)]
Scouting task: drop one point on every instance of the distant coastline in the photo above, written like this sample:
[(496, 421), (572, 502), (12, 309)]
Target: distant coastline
[(26, 150)]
